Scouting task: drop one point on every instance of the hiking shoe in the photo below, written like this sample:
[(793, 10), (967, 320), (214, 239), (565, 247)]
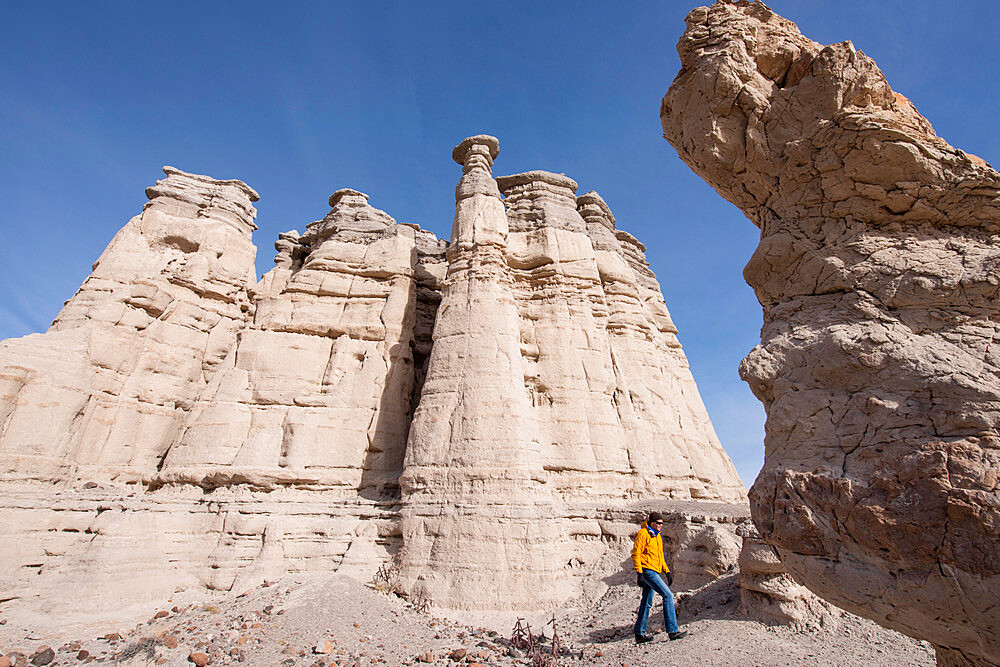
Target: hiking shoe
[(642, 639), (680, 634)]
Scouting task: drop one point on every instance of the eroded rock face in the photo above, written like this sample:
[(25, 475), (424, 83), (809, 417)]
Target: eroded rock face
[(482, 412), (105, 391), (701, 549), (318, 387), (475, 500), (182, 426), (876, 271), (555, 379)]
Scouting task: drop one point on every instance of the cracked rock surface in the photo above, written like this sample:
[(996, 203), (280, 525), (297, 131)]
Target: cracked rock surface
[(878, 363)]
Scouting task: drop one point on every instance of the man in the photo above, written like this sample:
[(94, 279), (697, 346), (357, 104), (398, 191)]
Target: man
[(648, 561)]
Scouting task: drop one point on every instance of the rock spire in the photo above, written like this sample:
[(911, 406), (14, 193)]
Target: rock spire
[(548, 381), (473, 446)]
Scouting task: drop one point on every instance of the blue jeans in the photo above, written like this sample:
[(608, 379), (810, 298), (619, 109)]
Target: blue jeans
[(653, 583)]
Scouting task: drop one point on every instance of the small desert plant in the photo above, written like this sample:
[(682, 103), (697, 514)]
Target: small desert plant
[(539, 659), (422, 602), (145, 646), (716, 571), (211, 609), (521, 637), (386, 579), (524, 640), (556, 641)]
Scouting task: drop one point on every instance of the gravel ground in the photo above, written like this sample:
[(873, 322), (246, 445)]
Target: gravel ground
[(334, 620)]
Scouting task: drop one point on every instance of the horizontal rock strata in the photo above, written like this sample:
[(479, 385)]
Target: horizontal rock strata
[(876, 271), (769, 594), (479, 525), (108, 553), (479, 412), (318, 387)]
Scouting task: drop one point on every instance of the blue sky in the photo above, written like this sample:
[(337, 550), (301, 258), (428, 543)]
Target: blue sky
[(302, 99)]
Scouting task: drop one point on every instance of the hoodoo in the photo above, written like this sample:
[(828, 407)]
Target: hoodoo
[(555, 386), (478, 521), (876, 271)]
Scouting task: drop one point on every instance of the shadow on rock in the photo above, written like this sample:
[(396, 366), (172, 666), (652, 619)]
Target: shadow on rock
[(719, 599)]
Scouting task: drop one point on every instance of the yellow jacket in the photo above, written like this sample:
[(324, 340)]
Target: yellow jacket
[(647, 552)]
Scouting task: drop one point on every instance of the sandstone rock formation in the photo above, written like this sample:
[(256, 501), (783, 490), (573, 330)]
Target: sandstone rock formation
[(103, 393), (876, 273), (701, 548), (486, 410), (769, 594), (174, 399), (555, 380), (319, 386), (473, 484)]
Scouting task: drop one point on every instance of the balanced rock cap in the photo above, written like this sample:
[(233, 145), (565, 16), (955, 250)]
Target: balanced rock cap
[(513, 180), (592, 198), (250, 192), (343, 192), (491, 142)]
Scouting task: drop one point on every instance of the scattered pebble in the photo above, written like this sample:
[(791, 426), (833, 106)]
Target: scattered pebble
[(43, 656)]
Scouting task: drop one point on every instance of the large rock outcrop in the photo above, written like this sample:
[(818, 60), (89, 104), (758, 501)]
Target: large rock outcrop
[(555, 383), (319, 385), (877, 366), (483, 412), (181, 426), (479, 526)]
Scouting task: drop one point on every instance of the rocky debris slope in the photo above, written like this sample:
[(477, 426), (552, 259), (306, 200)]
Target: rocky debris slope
[(876, 271), (322, 620), (479, 412)]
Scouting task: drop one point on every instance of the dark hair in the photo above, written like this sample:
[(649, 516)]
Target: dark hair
[(654, 517)]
